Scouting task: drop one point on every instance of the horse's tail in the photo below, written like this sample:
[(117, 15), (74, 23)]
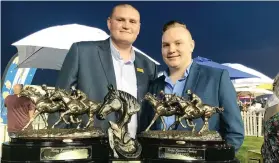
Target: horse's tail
[(219, 110)]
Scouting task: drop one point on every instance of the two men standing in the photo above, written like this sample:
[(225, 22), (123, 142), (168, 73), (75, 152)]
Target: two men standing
[(91, 66)]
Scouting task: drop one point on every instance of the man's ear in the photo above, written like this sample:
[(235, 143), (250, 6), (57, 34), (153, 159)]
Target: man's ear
[(192, 45), (109, 22)]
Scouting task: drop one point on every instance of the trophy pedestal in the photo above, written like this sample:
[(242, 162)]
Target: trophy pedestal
[(83, 150), (125, 160), (182, 146)]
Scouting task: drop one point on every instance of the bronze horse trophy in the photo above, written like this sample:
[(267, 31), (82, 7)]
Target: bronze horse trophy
[(182, 109), (42, 104), (190, 146), (88, 144), (75, 107), (125, 105), (60, 100)]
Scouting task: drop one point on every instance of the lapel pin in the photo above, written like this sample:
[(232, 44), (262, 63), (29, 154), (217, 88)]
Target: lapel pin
[(140, 70)]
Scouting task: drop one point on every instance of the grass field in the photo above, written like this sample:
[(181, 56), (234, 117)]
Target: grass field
[(250, 143)]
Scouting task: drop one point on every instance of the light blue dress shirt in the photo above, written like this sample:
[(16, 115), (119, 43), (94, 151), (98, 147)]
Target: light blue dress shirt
[(174, 88), (126, 80)]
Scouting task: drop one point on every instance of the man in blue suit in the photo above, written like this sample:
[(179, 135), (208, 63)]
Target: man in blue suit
[(91, 66), (212, 85)]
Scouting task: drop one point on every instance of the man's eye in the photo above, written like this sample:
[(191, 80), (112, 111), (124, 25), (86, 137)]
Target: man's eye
[(178, 43), (165, 45)]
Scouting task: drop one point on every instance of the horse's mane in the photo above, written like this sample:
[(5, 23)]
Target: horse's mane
[(129, 99)]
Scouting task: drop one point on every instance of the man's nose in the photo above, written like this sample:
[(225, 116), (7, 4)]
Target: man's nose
[(126, 25), (172, 49)]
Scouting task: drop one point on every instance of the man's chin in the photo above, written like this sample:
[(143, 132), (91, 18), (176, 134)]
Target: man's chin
[(173, 66), (125, 42)]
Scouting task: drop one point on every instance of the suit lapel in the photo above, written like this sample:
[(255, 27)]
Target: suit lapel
[(139, 74), (192, 79), (139, 70), (160, 86), (191, 83), (106, 62)]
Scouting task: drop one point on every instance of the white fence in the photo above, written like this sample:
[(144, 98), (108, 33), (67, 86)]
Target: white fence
[(253, 123)]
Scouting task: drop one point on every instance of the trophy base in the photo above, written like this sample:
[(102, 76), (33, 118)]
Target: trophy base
[(184, 146), (113, 160), (78, 150)]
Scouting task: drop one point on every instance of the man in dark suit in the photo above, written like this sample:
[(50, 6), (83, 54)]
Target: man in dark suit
[(212, 85), (91, 66)]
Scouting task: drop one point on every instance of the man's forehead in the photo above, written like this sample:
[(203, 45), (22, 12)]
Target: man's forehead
[(176, 34), (121, 11), (166, 41), (129, 17)]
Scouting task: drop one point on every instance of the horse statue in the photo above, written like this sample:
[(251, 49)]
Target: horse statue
[(75, 106), (184, 109), (161, 109), (42, 104), (125, 105), (193, 110)]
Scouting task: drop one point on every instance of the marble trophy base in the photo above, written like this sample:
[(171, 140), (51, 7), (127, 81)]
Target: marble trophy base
[(184, 146), (42, 148)]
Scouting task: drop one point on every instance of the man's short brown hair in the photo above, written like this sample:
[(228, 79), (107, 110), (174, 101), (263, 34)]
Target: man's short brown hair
[(173, 23), (122, 5)]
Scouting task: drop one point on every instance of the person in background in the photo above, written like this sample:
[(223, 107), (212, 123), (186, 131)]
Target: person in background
[(19, 111), (270, 147)]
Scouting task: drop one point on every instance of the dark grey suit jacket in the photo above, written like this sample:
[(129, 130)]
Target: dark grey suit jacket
[(89, 66)]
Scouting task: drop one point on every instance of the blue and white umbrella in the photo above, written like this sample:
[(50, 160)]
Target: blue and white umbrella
[(47, 48), (234, 73)]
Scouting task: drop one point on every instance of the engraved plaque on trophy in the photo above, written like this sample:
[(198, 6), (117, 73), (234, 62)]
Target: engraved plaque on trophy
[(65, 153), (181, 153)]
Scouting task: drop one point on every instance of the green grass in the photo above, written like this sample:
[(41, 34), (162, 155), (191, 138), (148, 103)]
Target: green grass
[(250, 143)]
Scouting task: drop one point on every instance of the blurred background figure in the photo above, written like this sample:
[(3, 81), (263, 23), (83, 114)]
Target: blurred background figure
[(19, 111), (270, 148)]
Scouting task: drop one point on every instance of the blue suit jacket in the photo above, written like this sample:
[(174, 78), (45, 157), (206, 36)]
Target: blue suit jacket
[(214, 87), (89, 66)]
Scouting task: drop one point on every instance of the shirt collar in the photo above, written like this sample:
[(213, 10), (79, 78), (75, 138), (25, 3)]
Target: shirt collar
[(186, 73), (116, 55)]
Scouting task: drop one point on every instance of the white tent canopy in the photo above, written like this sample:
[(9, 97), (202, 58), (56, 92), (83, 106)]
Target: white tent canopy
[(47, 48), (252, 91), (263, 79)]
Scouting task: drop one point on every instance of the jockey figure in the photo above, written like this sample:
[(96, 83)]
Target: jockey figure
[(195, 99), (44, 87), (79, 95)]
